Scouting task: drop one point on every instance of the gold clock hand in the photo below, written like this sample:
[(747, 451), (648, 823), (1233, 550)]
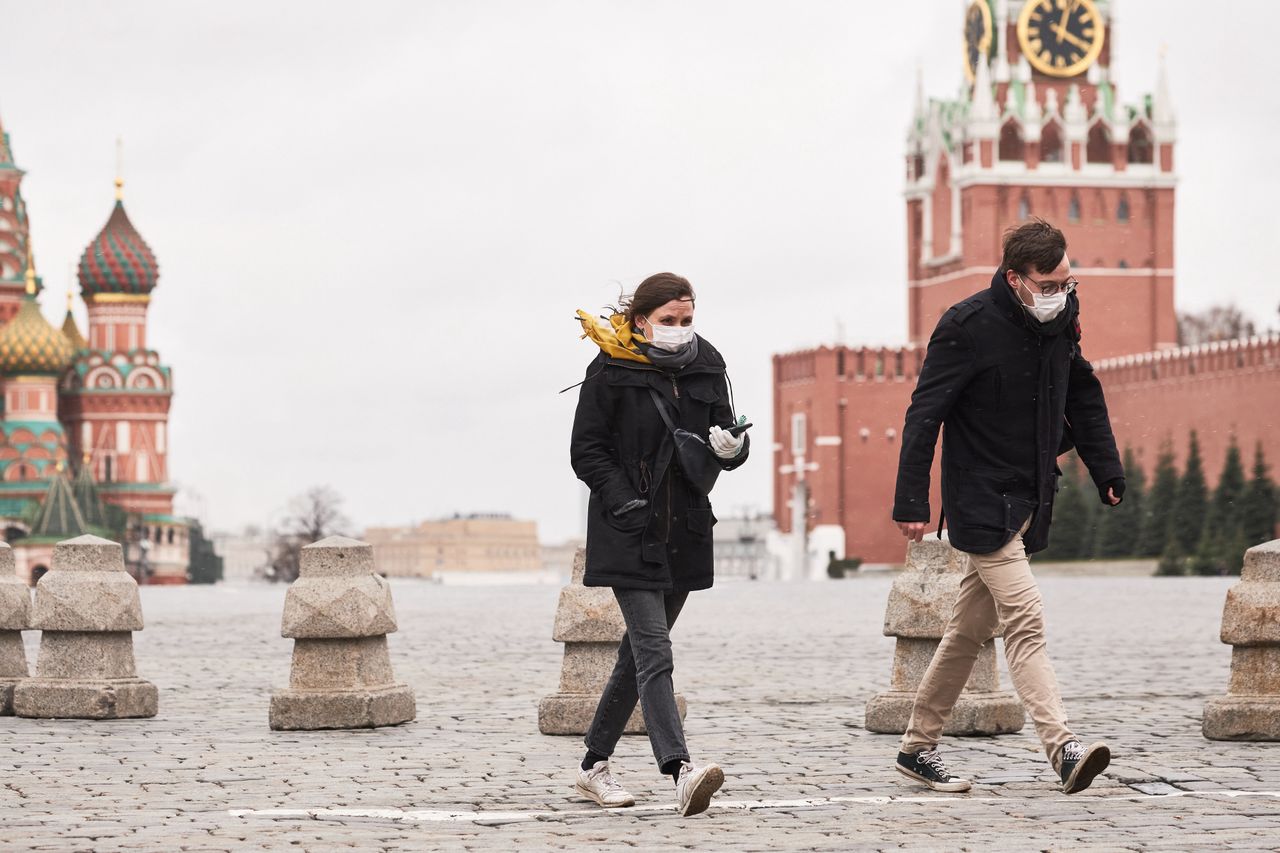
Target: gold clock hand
[(1076, 40), (1060, 28)]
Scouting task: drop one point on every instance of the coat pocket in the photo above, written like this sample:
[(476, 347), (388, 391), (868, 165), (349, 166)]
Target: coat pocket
[(1016, 512), (700, 521)]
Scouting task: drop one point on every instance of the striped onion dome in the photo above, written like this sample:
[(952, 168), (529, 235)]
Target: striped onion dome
[(118, 260)]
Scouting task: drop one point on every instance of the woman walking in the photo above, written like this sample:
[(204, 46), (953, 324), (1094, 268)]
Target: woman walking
[(651, 395)]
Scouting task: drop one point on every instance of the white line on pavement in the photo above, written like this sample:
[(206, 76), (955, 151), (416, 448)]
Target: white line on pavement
[(440, 816)]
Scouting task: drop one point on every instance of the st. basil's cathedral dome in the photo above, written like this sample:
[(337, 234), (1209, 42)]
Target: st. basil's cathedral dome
[(29, 345), (118, 260)]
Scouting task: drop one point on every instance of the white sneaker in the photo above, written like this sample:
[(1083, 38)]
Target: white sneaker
[(599, 786), (695, 787)]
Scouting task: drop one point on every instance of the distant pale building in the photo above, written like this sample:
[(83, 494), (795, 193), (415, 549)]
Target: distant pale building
[(245, 556), (558, 558), (465, 543), (746, 547)]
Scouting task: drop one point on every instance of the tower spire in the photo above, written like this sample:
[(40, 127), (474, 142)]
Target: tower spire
[(1162, 105), (119, 169), (31, 269)]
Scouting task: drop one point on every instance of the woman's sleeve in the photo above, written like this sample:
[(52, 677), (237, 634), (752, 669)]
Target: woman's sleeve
[(722, 416), (591, 449)]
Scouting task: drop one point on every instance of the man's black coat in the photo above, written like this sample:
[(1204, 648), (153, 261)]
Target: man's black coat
[(1012, 394), (623, 450)]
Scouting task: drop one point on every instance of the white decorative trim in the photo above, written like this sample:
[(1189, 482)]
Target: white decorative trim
[(827, 440)]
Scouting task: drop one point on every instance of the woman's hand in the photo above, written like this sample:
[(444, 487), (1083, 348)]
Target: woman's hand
[(724, 444)]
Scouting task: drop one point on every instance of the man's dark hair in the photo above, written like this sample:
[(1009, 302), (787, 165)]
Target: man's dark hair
[(1034, 246)]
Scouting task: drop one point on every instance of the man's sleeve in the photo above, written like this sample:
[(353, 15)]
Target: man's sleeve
[(948, 367), (1089, 423)]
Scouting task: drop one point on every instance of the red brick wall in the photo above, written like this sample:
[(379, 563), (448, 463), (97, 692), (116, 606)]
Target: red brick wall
[(1219, 391)]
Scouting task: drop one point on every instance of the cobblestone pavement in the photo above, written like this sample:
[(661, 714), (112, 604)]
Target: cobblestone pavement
[(776, 677)]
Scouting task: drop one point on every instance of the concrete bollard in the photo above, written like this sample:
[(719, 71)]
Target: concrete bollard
[(339, 613), (15, 617), (1251, 626), (919, 609), (590, 625), (87, 608)]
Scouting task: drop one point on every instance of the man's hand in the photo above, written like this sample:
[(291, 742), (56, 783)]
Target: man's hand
[(1112, 492), (913, 530)]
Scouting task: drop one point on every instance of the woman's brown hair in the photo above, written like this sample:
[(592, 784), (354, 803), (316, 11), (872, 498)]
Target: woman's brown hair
[(654, 292)]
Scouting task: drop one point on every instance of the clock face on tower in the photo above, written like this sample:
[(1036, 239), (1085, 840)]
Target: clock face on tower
[(1061, 38), (977, 36)]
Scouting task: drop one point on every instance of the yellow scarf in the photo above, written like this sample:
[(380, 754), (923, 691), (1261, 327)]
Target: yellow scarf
[(617, 338)]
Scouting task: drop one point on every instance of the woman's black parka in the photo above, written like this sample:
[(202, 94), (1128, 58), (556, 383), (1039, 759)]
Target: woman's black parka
[(622, 450)]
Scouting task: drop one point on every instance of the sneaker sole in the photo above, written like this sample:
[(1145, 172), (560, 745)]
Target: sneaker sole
[(595, 798), (1095, 760), (700, 797), (944, 787)]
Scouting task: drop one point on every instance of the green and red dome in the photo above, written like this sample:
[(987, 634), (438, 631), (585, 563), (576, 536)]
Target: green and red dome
[(118, 260)]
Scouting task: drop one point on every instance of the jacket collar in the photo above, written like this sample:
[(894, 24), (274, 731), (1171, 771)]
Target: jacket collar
[(1016, 312)]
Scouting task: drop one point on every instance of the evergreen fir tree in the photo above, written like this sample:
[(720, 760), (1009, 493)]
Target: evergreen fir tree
[(1225, 509), (1119, 527), (1157, 506), (1207, 559), (1192, 503), (1071, 535), (1172, 561), (1258, 507), (1232, 549)]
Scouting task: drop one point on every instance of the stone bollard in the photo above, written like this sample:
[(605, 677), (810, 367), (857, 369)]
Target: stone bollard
[(919, 609), (15, 617), (1251, 626), (339, 613), (590, 625), (87, 608)]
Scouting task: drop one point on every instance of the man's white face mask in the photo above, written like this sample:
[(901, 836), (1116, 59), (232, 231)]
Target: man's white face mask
[(1045, 307)]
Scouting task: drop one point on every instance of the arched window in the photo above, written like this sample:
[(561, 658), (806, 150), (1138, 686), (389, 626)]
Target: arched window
[(1024, 208), (1099, 148), (1051, 147), (1073, 209), (1122, 210), (1140, 148), (1011, 147)]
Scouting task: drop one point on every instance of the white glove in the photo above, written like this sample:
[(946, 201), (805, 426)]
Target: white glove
[(724, 444)]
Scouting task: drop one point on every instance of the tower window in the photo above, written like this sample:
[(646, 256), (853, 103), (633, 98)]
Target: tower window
[(1140, 148), (1122, 210), (1051, 148), (1099, 146), (1073, 209), (1011, 147)]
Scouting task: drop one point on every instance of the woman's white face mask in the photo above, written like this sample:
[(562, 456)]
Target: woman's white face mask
[(670, 338)]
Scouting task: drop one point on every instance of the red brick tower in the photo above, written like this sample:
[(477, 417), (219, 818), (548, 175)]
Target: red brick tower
[(115, 398), (1041, 132), (14, 232)]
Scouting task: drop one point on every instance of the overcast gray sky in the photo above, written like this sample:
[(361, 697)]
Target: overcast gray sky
[(374, 221)]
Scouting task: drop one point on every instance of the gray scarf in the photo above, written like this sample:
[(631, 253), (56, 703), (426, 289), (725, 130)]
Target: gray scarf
[(671, 360)]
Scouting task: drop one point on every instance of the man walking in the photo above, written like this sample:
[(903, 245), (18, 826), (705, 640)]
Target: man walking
[(1005, 375)]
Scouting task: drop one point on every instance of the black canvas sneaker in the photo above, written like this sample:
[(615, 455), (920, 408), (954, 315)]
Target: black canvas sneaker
[(927, 768), (1080, 765)]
